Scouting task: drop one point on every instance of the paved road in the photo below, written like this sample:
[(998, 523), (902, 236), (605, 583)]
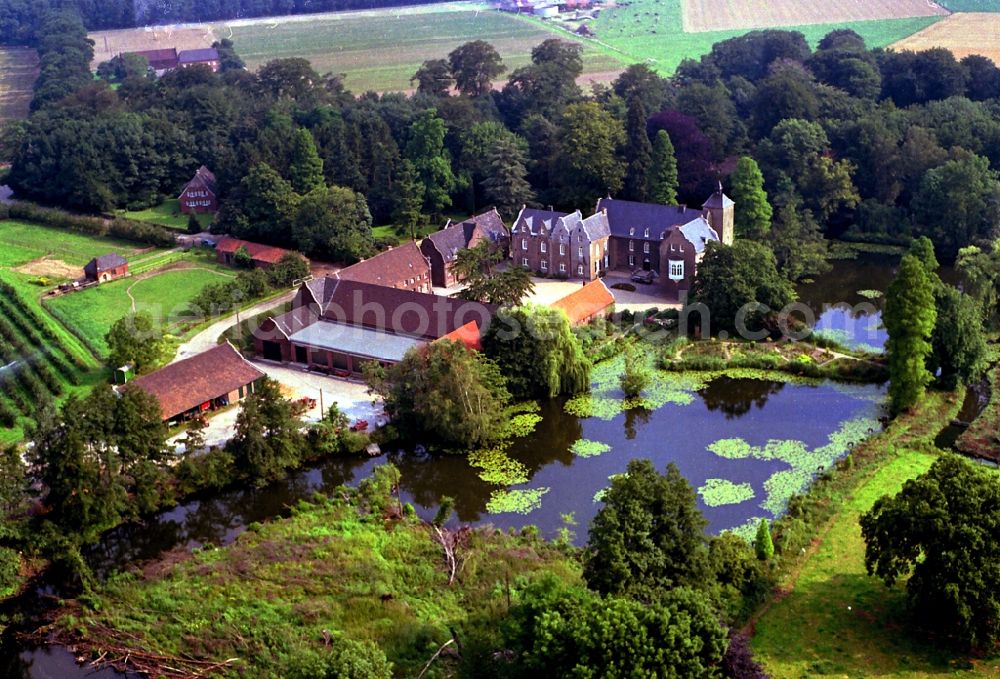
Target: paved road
[(209, 337)]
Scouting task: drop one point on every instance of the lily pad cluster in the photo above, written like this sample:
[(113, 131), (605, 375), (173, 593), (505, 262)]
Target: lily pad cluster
[(718, 492), (518, 501), (588, 448)]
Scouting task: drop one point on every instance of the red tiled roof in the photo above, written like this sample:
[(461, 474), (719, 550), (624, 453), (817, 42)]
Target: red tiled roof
[(258, 251), (187, 384), (592, 298), (391, 268), (468, 335)]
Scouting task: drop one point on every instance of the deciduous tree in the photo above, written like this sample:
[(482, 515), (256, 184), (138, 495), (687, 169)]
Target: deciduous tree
[(474, 65), (909, 317), (135, 339)]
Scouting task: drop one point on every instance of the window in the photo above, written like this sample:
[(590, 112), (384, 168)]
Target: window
[(680, 248), (544, 246), (663, 235), (524, 262), (647, 232), (562, 267), (676, 270), (579, 270), (631, 231), (562, 248), (524, 243), (545, 265), (645, 248), (631, 246), (581, 251), (631, 260)]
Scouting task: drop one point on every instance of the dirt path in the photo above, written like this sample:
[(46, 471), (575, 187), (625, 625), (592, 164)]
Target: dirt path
[(209, 337)]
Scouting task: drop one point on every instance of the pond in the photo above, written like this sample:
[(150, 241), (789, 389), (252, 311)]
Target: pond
[(847, 301)]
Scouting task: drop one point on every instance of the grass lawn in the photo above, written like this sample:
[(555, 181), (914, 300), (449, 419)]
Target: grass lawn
[(838, 621), (21, 242), (168, 213), (970, 5), (389, 231), (165, 294), (652, 30), (382, 49)]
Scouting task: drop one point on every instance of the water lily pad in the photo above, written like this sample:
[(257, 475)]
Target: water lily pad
[(588, 448), (516, 501), (496, 467), (718, 492)]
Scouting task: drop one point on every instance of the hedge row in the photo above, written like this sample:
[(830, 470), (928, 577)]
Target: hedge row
[(117, 227)]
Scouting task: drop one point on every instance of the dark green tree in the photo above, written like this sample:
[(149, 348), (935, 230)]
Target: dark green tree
[(937, 534), (763, 545), (434, 78), (637, 376), (958, 342), (909, 317), (753, 211), (268, 439), (136, 339), (426, 150), (306, 167), (588, 166), (638, 152), (538, 353), (506, 185), (193, 225), (474, 65), (663, 171), (333, 223), (799, 247), (409, 200), (649, 536), (486, 282)]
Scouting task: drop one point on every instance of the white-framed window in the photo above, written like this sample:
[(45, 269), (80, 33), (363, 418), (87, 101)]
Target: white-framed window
[(631, 246), (562, 248), (545, 265), (524, 262), (663, 235), (524, 243), (676, 271), (579, 270), (562, 267), (544, 247), (580, 251), (645, 248), (631, 260), (647, 232), (631, 231), (680, 248)]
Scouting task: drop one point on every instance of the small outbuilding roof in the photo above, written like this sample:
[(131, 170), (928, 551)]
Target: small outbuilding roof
[(186, 384), (582, 304), (198, 56), (257, 251), (106, 262)]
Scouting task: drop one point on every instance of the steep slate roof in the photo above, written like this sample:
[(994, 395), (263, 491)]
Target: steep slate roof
[(186, 384), (390, 266), (595, 226), (258, 251), (718, 199), (489, 222), (393, 310), (624, 215), (198, 56), (698, 233), (534, 219), (590, 299), (203, 177), (108, 261), (449, 240)]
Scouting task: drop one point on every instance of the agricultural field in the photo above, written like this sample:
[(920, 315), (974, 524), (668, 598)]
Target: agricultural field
[(653, 31), (168, 214), (18, 70), (963, 34), (971, 5), (382, 49), (108, 44), (832, 618), (163, 289), (724, 15)]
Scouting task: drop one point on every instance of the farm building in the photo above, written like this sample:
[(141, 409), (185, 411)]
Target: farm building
[(560, 244), (161, 60), (199, 195), (404, 267), (592, 300), (668, 240), (441, 248), (337, 325), (262, 256), (106, 268), (208, 56), (212, 379)]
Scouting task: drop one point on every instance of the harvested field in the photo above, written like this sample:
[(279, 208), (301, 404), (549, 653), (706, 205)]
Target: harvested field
[(18, 70), (963, 34), (108, 44), (50, 268), (725, 15)]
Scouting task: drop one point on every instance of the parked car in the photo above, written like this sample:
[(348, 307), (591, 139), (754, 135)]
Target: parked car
[(640, 276)]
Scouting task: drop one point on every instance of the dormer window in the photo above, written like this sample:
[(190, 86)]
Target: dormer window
[(631, 231), (647, 232)]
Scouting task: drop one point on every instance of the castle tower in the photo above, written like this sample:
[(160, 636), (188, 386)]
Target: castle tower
[(720, 211)]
